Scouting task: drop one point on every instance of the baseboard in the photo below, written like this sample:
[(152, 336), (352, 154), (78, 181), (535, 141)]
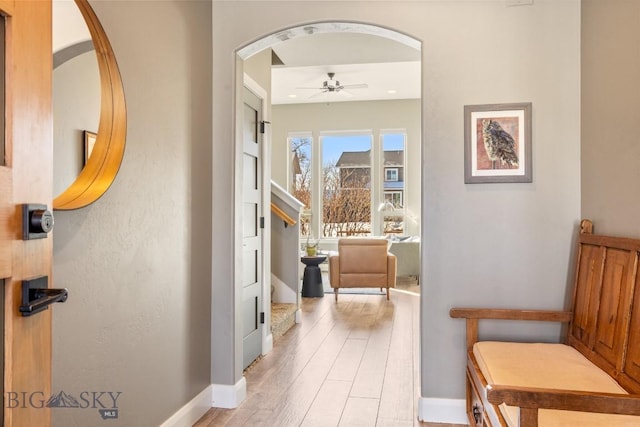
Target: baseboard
[(298, 316), (192, 411), (451, 411), (267, 344), (228, 396)]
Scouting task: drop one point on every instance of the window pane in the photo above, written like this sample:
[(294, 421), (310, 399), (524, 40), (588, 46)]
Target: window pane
[(393, 185), (301, 178), (393, 164), (346, 189)]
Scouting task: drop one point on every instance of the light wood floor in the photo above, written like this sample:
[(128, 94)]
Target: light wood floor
[(354, 363)]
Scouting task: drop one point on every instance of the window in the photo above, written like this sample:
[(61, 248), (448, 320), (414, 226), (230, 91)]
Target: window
[(391, 174), (341, 176), (393, 187), (301, 177), (346, 185)]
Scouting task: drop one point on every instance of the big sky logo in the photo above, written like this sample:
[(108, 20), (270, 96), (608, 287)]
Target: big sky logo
[(106, 402)]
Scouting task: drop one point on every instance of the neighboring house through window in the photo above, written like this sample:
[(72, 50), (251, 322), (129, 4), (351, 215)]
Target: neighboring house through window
[(346, 161), (353, 172)]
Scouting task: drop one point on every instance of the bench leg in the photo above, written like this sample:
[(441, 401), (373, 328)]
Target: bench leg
[(335, 291), (529, 417)]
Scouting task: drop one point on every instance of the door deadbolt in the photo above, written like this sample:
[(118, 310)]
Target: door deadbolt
[(41, 220), (37, 221)]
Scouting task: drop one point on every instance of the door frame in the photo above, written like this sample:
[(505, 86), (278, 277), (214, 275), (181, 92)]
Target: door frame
[(243, 80), (229, 386), (265, 177)]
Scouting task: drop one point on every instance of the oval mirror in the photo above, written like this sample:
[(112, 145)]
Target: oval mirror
[(107, 144)]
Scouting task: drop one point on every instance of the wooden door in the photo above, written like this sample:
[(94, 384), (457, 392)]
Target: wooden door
[(252, 232), (25, 177)]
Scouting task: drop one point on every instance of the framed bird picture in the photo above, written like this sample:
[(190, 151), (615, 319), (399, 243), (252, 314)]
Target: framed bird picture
[(497, 143)]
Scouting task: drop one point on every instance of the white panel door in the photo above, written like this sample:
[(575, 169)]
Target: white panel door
[(251, 231)]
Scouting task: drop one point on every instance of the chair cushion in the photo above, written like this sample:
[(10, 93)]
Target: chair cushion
[(363, 256), (362, 281), (544, 365)]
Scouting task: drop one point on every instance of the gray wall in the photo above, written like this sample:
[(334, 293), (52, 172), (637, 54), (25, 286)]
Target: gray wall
[(374, 115), (137, 262), (610, 106), (480, 241), (140, 264), (285, 248), (497, 245)]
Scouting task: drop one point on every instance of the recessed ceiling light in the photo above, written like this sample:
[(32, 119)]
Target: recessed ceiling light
[(392, 91), (292, 96)]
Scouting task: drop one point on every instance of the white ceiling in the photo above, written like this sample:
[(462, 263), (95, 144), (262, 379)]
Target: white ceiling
[(389, 68)]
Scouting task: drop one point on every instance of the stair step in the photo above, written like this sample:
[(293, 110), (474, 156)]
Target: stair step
[(283, 317)]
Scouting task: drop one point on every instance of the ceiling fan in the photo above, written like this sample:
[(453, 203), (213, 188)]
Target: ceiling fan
[(332, 85)]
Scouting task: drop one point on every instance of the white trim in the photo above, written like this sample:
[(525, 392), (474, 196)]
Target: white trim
[(286, 197), (300, 134), (228, 396), (434, 410), (255, 87), (299, 316), (192, 411), (326, 27), (346, 133), (267, 343)]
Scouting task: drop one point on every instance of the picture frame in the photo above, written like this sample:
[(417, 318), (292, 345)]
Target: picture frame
[(89, 142), (497, 143)]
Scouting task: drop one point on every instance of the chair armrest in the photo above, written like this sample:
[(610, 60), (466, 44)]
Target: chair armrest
[(566, 400), (334, 271), (392, 268), (473, 315)]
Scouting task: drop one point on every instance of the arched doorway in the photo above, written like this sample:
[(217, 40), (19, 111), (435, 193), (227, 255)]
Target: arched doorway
[(243, 54)]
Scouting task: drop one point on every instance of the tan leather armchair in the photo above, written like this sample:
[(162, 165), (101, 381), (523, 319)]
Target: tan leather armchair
[(362, 263)]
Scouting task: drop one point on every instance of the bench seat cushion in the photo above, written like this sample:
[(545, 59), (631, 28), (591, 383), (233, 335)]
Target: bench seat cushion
[(544, 365)]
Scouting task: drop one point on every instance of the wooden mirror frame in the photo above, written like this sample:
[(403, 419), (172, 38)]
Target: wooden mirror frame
[(102, 167)]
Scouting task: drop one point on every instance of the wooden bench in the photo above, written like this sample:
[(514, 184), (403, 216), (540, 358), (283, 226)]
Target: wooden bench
[(602, 338)]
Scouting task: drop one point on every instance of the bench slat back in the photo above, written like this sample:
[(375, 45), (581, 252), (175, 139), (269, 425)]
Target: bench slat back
[(606, 306)]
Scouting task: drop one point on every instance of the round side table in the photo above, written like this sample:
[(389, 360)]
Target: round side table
[(312, 279)]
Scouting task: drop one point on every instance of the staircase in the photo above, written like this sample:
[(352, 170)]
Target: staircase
[(283, 317), (285, 260)]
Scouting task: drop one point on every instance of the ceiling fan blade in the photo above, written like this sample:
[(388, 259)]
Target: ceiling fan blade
[(312, 88), (356, 86), (315, 95), (344, 93)]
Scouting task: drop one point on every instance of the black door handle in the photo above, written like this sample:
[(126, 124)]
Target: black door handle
[(36, 296)]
